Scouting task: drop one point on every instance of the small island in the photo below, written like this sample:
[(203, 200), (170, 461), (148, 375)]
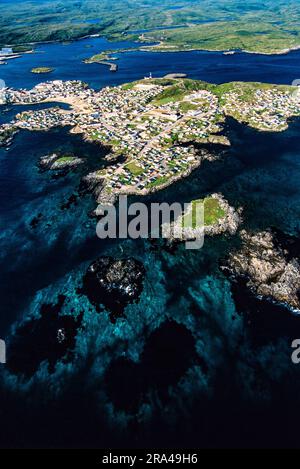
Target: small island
[(42, 70), (56, 161), (218, 218)]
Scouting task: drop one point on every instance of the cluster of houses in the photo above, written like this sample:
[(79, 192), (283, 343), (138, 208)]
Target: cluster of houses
[(49, 91), (44, 119), (5, 54), (147, 132), (156, 166), (5, 51), (269, 109), (127, 119), (151, 139)]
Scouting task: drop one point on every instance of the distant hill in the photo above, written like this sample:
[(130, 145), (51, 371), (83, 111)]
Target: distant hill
[(275, 23)]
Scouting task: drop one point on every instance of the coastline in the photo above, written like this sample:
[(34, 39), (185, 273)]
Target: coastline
[(142, 47), (197, 49)]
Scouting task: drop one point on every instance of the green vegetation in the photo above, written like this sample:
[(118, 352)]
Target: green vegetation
[(182, 88), (158, 182), (102, 57), (65, 159), (39, 70), (213, 212), (222, 36), (246, 90), (185, 106), (210, 24), (129, 86), (155, 81), (134, 169), (97, 58), (22, 48), (114, 142), (179, 90)]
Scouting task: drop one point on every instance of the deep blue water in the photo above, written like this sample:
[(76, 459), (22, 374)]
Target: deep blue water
[(210, 66), (188, 325)]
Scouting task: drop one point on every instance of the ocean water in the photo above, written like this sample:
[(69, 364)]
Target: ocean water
[(133, 65), (183, 366)]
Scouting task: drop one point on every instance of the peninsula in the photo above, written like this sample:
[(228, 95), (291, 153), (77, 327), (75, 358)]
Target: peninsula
[(157, 130)]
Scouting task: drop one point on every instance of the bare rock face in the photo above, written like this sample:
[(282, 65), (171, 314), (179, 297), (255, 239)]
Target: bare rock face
[(7, 134), (270, 262), (113, 283)]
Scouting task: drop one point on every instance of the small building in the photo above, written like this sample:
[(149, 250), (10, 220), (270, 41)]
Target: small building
[(6, 51)]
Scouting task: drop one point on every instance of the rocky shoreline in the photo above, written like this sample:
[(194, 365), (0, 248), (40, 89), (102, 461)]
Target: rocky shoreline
[(95, 182), (7, 133), (228, 223), (269, 261), (113, 283)]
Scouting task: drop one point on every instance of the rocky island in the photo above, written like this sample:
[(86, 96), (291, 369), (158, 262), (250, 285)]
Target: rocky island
[(7, 133), (41, 70), (269, 261), (113, 283), (218, 217), (56, 161)]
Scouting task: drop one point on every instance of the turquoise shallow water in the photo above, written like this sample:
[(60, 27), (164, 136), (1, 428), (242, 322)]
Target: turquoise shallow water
[(183, 366)]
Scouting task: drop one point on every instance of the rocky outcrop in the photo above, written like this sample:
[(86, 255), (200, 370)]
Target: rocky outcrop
[(56, 162), (95, 183), (114, 283), (228, 223), (7, 133), (270, 262)]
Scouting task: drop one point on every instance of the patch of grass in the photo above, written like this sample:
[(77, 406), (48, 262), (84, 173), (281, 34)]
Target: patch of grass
[(103, 56), (185, 106), (158, 182), (134, 168), (65, 159), (114, 142), (213, 212), (129, 86), (178, 91)]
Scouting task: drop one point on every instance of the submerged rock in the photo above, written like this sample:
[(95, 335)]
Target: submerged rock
[(72, 200), (269, 260), (169, 353), (50, 338), (36, 221), (113, 283)]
